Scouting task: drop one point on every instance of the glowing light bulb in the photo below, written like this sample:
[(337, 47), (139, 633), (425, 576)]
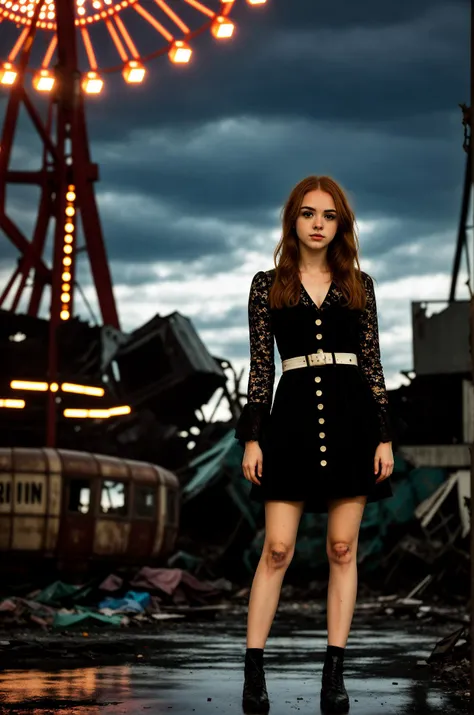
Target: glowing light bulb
[(92, 83), (66, 276), (43, 81), (8, 74), (67, 260), (71, 196), (134, 72), (64, 315), (222, 28), (180, 52), (70, 211), (69, 227)]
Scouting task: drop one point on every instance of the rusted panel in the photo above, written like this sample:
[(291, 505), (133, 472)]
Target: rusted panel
[(53, 461), (55, 484), (27, 533), (160, 512), (29, 493), (5, 532), (28, 496), (78, 463), (29, 460), (6, 495), (111, 537), (51, 534), (142, 472), (6, 460), (113, 468)]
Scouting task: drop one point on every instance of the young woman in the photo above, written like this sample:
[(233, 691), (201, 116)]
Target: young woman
[(326, 443)]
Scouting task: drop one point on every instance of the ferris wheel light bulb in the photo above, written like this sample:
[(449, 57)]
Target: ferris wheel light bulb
[(180, 52), (222, 28), (134, 72), (92, 83), (8, 74), (43, 81), (256, 2)]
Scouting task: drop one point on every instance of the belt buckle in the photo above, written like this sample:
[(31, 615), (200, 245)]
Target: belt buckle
[(317, 359)]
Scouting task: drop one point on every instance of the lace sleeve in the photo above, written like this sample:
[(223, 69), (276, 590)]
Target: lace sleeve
[(369, 360), (262, 362)]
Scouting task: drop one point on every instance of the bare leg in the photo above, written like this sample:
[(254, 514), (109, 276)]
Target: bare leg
[(281, 527), (344, 517)]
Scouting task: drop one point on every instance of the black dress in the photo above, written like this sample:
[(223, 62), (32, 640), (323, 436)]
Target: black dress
[(319, 437)]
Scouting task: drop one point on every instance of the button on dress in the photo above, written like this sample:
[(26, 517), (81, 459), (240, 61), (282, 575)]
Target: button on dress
[(319, 433)]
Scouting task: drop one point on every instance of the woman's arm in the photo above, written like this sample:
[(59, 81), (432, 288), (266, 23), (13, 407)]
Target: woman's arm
[(369, 360), (262, 363)]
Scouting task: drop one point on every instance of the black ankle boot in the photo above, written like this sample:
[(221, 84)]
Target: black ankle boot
[(334, 698), (255, 696)]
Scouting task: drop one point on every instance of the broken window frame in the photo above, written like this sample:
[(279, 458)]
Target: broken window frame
[(153, 490), (85, 480), (126, 498)]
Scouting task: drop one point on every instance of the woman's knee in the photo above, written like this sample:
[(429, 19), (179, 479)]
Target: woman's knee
[(341, 552), (278, 554)]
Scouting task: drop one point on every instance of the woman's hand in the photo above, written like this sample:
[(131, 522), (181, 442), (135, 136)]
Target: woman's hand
[(383, 461), (252, 462)]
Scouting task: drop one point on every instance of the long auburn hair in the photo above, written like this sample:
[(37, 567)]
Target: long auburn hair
[(342, 252)]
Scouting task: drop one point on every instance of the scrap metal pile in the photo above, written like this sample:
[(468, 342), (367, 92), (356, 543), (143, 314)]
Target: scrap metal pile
[(162, 370)]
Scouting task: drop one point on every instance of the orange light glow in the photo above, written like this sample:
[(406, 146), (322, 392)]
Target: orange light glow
[(71, 196), (256, 2), (66, 276), (43, 81), (28, 385), (64, 315), (65, 287), (65, 297), (68, 238), (70, 211), (222, 28), (134, 72), (14, 404), (67, 249), (54, 387), (8, 74), (69, 227), (98, 414), (83, 389), (180, 52), (67, 260), (202, 8), (92, 83)]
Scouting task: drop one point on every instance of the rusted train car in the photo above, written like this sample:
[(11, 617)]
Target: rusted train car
[(75, 510)]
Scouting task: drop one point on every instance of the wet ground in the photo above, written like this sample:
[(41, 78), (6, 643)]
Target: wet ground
[(197, 668)]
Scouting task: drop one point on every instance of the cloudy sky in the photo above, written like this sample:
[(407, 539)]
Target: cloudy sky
[(196, 164)]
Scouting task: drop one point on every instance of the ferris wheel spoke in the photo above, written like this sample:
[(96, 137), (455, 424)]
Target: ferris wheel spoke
[(201, 8), (50, 52), (117, 41), (89, 48), (173, 16), (126, 36), (18, 45), (153, 22)]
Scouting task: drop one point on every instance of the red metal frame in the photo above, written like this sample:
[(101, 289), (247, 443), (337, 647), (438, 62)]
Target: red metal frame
[(66, 161)]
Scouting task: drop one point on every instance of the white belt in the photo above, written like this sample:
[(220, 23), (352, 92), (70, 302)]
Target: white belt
[(319, 359)]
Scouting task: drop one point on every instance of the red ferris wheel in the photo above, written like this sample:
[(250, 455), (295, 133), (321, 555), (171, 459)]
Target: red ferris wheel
[(57, 51)]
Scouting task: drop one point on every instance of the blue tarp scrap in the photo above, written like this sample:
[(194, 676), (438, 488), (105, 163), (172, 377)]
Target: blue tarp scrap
[(131, 602)]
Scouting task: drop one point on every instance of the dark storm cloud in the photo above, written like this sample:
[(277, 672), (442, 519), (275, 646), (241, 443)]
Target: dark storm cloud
[(196, 163)]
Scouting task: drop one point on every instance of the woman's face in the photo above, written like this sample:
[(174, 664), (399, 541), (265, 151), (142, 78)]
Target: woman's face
[(317, 221)]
